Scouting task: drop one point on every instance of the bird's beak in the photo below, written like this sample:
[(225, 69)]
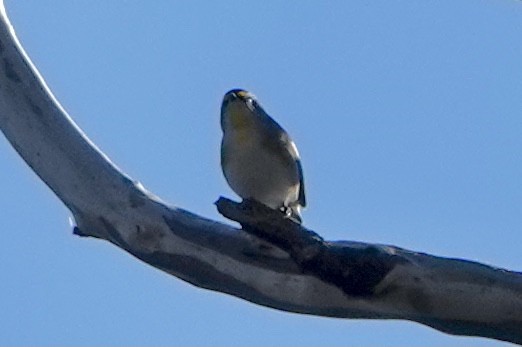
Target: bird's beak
[(230, 96)]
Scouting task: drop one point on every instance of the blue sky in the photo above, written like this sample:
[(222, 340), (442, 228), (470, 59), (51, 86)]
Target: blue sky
[(407, 115)]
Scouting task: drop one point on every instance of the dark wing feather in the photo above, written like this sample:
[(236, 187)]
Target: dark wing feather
[(302, 197)]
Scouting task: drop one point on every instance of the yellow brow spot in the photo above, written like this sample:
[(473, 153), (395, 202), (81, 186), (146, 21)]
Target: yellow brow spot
[(243, 94)]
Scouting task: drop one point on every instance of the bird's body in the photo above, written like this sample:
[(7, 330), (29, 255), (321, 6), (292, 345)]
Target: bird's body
[(258, 158)]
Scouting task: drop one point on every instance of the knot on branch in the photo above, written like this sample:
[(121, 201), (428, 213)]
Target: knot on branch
[(355, 270)]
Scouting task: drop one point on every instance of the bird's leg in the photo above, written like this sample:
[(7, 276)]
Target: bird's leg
[(287, 211)]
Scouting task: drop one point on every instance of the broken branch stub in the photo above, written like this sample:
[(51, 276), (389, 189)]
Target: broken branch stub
[(356, 271)]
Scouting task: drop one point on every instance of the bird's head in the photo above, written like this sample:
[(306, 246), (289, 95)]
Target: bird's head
[(238, 110)]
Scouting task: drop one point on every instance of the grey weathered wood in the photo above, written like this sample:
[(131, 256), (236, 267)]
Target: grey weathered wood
[(272, 262)]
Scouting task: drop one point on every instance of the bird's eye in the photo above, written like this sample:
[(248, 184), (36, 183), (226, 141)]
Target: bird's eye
[(250, 103)]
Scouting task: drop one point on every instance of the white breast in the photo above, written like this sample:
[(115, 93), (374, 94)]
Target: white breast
[(253, 172)]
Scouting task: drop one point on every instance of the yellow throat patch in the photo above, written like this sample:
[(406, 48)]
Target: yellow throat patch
[(241, 125)]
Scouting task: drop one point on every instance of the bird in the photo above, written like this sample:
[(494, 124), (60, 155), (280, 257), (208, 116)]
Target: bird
[(259, 159)]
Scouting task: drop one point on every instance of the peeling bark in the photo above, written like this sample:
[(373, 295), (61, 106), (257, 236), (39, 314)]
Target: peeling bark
[(271, 261)]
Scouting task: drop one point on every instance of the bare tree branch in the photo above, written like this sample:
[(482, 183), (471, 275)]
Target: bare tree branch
[(271, 261)]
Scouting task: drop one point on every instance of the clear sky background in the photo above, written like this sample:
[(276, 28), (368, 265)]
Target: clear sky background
[(407, 114)]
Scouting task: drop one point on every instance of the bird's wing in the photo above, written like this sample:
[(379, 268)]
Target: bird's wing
[(289, 148), (302, 197), (295, 154)]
